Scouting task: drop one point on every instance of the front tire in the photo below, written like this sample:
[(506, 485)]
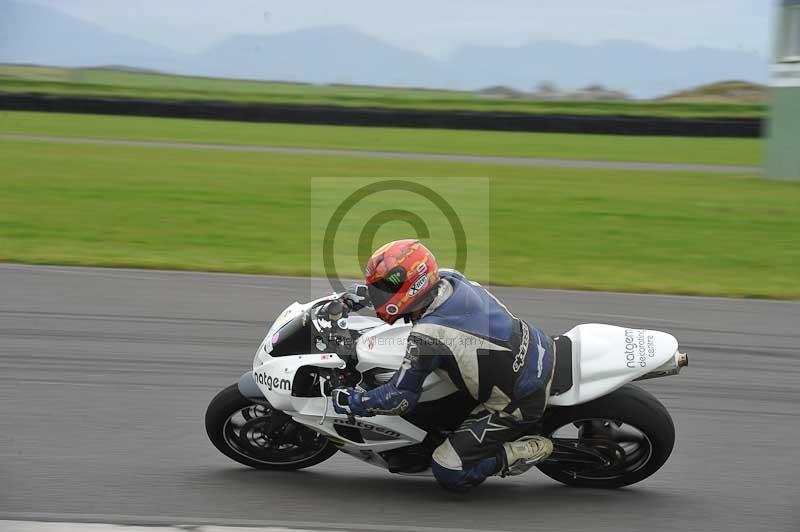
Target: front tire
[(256, 435), (637, 423)]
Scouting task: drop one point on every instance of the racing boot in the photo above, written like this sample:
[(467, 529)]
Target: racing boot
[(524, 453)]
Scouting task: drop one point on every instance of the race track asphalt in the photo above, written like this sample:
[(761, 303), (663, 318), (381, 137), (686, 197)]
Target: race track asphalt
[(105, 376)]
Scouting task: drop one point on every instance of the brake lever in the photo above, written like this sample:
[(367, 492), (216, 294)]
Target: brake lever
[(327, 399), (335, 383)]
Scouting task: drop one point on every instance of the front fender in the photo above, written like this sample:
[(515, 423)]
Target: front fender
[(248, 387)]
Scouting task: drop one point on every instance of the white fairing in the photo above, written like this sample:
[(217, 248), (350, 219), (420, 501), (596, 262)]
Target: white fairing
[(605, 357), (380, 346), (290, 312), (275, 379), (385, 347)]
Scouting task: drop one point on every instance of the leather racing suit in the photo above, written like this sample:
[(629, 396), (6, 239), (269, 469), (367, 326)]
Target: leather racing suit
[(501, 361)]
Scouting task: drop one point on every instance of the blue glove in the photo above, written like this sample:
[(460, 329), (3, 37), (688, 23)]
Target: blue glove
[(347, 401), (341, 400)]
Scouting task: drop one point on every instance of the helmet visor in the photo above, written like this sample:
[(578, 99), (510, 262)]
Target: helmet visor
[(382, 291)]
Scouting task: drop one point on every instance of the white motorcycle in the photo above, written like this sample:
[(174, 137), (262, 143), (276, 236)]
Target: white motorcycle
[(606, 432)]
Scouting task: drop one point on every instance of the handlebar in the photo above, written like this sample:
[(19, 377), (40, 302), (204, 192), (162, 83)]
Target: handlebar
[(335, 311)]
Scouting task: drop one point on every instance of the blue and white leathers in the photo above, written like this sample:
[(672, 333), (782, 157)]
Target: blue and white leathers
[(501, 361)]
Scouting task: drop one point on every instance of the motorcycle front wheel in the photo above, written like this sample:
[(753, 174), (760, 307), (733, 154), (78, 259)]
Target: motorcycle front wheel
[(614, 441), (256, 435)]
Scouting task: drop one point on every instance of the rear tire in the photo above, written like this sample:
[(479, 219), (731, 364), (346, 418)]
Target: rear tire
[(293, 446), (629, 406)]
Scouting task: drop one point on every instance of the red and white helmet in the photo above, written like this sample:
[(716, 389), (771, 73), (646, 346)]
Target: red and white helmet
[(400, 275)]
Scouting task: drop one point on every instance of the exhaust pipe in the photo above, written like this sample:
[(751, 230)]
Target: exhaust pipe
[(671, 367)]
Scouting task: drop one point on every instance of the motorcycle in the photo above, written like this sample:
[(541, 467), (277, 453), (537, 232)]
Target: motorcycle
[(606, 432)]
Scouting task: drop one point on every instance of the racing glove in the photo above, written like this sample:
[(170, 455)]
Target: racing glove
[(347, 401), (341, 400)]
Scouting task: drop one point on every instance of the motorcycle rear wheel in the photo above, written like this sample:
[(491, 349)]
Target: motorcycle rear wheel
[(254, 434), (629, 427)]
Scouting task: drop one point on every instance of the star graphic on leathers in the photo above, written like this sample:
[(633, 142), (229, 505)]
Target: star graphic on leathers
[(480, 426)]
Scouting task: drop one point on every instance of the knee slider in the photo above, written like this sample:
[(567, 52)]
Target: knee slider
[(446, 456), (446, 467), (450, 479)]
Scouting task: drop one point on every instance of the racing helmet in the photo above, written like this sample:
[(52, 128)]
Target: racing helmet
[(401, 277)]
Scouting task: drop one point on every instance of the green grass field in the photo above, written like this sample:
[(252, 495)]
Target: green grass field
[(544, 145), (685, 233), (120, 83)]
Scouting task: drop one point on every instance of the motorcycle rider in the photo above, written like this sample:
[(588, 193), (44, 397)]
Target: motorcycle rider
[(458, 327)]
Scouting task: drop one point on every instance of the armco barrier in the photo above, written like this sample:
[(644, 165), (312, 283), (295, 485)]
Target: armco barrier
[(385, 117)]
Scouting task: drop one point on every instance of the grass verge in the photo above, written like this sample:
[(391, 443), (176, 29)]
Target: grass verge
[(545, 145), (684, 233)]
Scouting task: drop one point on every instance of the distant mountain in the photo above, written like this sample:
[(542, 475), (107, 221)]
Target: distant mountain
[(319, 55), (31, 33), (38, 34)]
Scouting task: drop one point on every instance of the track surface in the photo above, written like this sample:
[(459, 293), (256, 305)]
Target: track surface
[(475, 159), (105, 376)]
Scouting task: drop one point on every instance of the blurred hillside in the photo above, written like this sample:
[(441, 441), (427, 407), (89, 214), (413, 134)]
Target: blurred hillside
[(42, 35), (735, 91), (128, 82)]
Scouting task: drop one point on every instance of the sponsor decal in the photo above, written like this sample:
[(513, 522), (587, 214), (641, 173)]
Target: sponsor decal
[(371, 343), (400, 409), (639, 347), (411, 358), (392, 309), (478, 427), (395, 278), (519, 360), (412, 351), (422, 268), (418, 285), (367, 426), (273, 383)]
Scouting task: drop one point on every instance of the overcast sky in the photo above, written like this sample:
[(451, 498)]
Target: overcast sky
[(437, 27)]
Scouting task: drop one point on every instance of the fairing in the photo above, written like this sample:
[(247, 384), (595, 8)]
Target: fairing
[(605, 357)]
